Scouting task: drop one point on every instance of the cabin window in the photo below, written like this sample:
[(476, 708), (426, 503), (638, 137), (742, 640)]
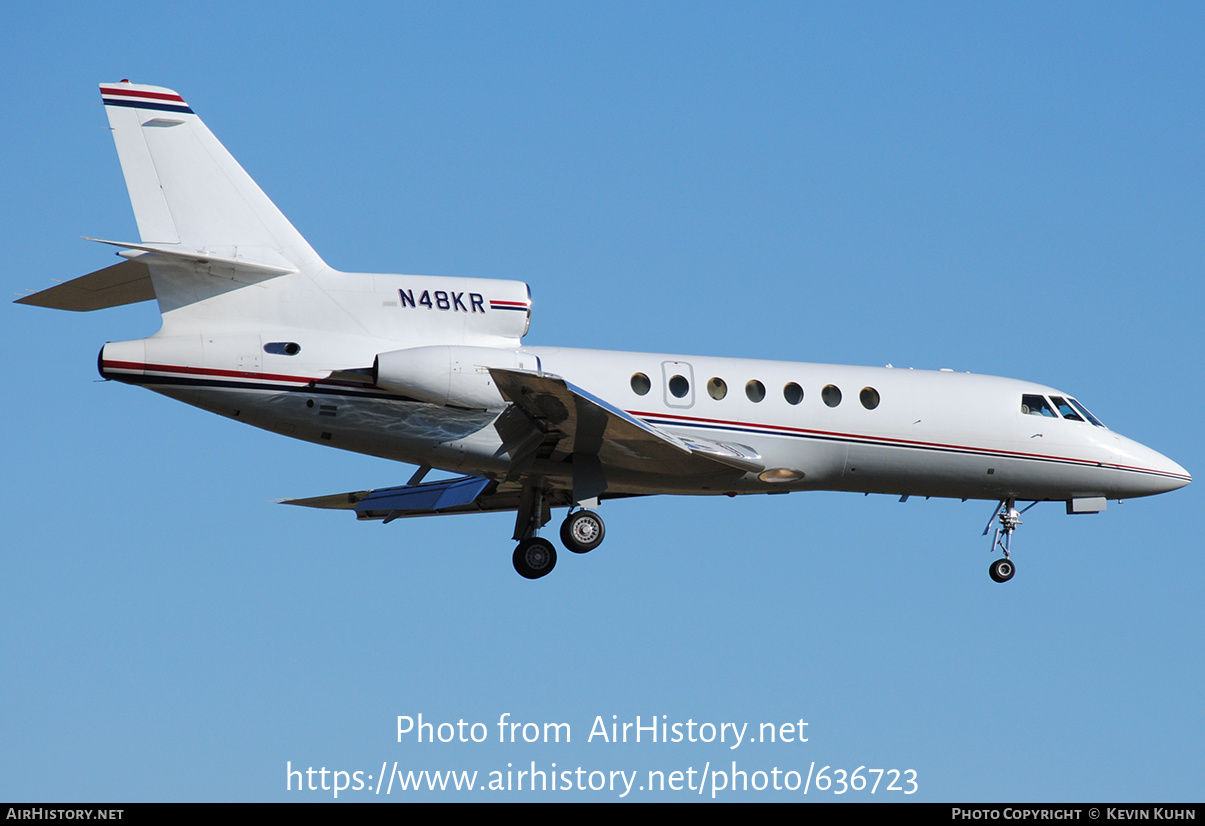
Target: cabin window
[(831, 395), (679, 386), (717, 389), (1037, 406), (869, 397), (755, 390), (793, 393), (1066, 410), (641, 384)]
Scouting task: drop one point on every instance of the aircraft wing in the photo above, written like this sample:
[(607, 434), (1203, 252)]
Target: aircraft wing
[(464, 494), (550, 420), (573, 422)]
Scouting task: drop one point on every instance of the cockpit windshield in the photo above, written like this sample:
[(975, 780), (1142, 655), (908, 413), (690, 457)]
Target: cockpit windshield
[(1068, 408)]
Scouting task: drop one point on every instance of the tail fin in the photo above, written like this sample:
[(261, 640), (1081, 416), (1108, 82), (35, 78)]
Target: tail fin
[(189, 194)]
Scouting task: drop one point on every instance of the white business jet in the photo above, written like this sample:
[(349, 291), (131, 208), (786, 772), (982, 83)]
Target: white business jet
[(432, 371)]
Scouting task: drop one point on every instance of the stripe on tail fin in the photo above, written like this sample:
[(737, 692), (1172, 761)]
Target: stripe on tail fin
[(188, 191)]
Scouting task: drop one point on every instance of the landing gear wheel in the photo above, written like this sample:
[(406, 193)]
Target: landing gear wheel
[(582, 531), (1001, 570), (534, 558)]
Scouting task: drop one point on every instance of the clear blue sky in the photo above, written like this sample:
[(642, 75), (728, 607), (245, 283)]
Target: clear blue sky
[(1012, 189)]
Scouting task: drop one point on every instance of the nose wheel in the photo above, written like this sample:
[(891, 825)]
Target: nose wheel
[(1001, 570), (1007, 518)]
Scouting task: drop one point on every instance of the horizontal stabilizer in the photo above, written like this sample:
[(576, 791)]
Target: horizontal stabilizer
[(184, 256), (126, 283)]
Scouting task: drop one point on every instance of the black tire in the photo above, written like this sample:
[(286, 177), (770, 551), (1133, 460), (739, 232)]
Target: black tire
[(534, 558), (1001, 570), (582, 531)]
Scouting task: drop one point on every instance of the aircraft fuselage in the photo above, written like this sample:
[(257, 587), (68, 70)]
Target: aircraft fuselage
[(828, 427)]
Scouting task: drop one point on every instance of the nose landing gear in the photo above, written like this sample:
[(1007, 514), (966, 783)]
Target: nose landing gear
[(1007, 518)]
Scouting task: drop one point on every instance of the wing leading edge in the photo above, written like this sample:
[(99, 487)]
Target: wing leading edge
[(584, 425)]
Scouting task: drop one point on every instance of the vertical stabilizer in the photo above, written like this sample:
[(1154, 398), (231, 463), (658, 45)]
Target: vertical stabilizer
[(189, 194)]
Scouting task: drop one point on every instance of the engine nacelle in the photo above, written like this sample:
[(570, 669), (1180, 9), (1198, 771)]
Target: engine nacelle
[(449, 375)]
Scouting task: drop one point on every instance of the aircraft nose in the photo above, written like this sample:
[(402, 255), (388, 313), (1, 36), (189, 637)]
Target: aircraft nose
[(1150, 471), (1176, 475)]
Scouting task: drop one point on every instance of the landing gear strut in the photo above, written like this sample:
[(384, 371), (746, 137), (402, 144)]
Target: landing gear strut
[(534, 557), (582, 531), (1007, 518)]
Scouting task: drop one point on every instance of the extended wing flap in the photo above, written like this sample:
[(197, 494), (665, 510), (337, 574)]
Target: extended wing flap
[(590, 426), (464, 494), (432, 496)]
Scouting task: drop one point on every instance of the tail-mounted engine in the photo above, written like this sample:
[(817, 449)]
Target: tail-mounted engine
[(449, 375)]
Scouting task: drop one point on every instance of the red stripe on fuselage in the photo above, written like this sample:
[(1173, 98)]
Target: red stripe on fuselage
[(205, 371), (686, 421)]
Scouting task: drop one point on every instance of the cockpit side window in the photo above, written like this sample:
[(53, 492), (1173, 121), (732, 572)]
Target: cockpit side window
[(1066, 410), (1037, 406)]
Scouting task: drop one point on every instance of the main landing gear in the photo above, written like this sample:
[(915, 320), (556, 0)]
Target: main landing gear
[(581, 532), (1007, 518), (534, 558)]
